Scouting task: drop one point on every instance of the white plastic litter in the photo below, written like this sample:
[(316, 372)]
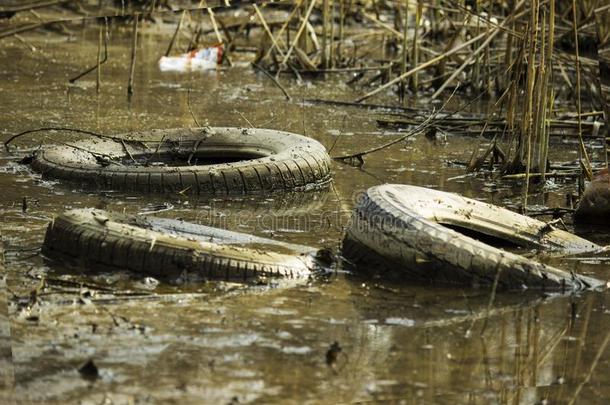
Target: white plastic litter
[(200, 59)]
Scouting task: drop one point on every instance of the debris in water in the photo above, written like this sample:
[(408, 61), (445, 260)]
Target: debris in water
[(201, 59), (89, 371), (594, 205), (332, 354)]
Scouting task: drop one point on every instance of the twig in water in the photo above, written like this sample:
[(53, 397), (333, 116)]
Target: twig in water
[(565, 173), (123, 142), (98, 79), (102, 158), (417, 130), (358, 156), (134, 47), (188, 104), (29, 131), (362, 105), (156, 150), (99, 62), (338, 136), (23, 28), (29, 6), (188, 161), (156, 209), (24, 42), (245, 119), (69, 283), (127, 151), (273, 79)]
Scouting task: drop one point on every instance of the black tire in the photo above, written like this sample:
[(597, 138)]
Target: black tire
[(594, 206), (405, 232), (167, 248), (253, 161)]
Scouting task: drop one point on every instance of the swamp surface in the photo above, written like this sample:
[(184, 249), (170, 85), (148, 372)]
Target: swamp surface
[(221, 342)]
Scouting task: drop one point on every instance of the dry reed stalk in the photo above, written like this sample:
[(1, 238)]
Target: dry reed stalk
[(381, 24), (422, 66), (312, 38), (415, 44), (435, 17), (341, 30), (325, 33), (467, 62), (602, 22), (302, 42), (529, 104), (214, 25), (204, 4), (440, 73), (175, 36), (297, 6), (403, 66), (298, 35), (548, 96), (134, 47), (331, 51), (268, 31), (583, 156), (487, 74), (98, 80), (513, 92), (476, 71), (397, 15), (539, 104), (508, 54)]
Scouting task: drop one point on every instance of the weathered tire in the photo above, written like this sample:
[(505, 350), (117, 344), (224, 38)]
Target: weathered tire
[(403, 229), (168, 248), (259, 160), (594, 206)]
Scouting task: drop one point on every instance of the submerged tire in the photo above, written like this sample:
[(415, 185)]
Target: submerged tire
[(406, 231), (168, 248), (194, 160), (594, 206)]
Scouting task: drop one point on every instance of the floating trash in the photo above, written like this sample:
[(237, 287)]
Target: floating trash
[(199, 59)]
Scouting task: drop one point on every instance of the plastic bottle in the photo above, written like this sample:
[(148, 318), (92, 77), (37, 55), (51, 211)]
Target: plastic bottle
[(199, 59)]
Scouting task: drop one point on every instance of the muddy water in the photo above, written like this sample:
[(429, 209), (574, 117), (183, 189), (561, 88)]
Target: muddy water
[(220, 342)]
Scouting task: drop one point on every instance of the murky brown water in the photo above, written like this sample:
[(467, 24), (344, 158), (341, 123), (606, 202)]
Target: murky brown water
[(221, 342)]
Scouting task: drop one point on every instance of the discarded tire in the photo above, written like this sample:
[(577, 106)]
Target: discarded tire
[(168, 249), (194, 160), (407, 232), (594, 206)]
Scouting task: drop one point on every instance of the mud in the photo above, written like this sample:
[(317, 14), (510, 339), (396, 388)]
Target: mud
[(219, 342)]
